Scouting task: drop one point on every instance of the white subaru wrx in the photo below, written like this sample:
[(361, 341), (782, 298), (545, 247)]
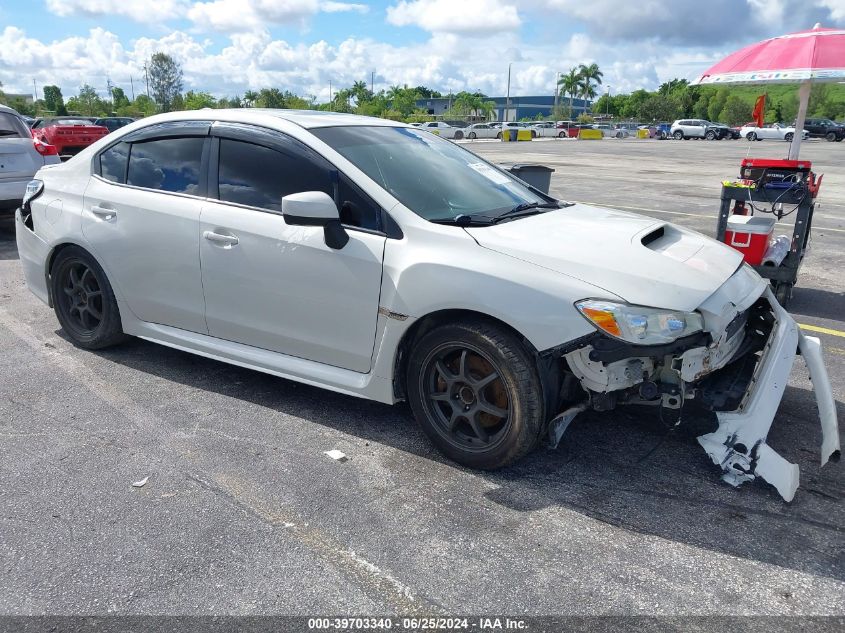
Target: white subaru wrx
[(376, 259)]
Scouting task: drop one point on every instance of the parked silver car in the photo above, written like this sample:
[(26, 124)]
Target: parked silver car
[(20, 157)]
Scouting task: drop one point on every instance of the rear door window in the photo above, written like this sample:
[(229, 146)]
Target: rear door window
[(12, 126), (167, 164), (113, 163)]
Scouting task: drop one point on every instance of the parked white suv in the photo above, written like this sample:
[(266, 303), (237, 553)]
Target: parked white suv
[(695, 128), (20, 157), (378, 260)]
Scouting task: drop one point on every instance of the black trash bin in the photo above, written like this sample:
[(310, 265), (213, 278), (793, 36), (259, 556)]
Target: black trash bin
[(538, 176)]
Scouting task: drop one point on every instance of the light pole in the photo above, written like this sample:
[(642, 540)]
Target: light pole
[(508, 97), (607, 102), (557, 92)]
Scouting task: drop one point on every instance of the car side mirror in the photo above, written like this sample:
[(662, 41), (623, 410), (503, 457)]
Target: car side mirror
[(315, 208)]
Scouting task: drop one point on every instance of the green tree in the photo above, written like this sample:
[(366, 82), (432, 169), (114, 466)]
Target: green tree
[(53, 100), (270, 98), (589, 79), (403, 100), (249, 98), (569, 84), (119, 98), (658, 108), (87, 102), (717, 104), (198, 100), (427, 93), (360, 92), (165, 80), (735, 111)]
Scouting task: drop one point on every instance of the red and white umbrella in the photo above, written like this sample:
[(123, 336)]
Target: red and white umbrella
[(805, 57)]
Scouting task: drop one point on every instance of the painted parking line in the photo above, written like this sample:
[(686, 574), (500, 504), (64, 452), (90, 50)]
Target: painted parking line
[(821, 330), (836, 350), (694, 215)]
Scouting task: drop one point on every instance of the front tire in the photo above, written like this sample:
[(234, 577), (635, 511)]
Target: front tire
[(788, 137), (472, 136), (710, 136), (752, 136), (678, 135), (475, 391), (458, 136), (830, 137), (83, 299)]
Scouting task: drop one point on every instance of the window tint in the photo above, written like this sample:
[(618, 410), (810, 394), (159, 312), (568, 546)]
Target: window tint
[(168, 164), (113, 163), (258, 176)]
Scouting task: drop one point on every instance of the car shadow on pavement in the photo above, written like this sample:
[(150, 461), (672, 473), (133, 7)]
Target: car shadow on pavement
[(813, 302), (623, 468), (8, 246)]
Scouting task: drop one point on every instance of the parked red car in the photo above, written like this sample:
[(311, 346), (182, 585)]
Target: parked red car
[(69, 134)]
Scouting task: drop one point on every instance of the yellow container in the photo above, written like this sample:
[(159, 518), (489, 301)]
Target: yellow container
[(523, 135), (642, 133), (589, 135)]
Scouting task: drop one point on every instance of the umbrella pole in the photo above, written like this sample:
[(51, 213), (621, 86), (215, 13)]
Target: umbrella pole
[(803, 100)]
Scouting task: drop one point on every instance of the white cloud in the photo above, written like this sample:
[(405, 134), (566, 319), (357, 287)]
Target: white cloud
[(138, 10), (231, 16), (481, 17), (342, 7)]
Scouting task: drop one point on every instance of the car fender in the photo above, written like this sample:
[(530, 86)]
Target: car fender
[(424, 275)]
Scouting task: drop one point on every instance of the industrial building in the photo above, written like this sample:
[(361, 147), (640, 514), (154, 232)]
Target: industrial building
[(517, 108)]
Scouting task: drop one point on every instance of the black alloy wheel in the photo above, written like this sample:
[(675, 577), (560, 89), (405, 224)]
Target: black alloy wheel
[(467, 399), (475, 390), (83, 300)]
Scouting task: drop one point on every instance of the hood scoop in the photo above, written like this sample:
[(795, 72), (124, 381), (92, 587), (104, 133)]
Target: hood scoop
[(653, 236)]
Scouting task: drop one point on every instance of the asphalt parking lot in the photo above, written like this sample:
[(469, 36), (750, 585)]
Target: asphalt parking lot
[(244, 514)]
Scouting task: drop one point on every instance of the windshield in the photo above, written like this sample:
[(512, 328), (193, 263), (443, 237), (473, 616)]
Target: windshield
[(433, 177)]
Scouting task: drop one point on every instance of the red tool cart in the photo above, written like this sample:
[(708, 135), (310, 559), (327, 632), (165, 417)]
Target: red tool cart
[(767, 192)]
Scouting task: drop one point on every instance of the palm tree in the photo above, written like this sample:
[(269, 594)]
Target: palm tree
[(588, 75), (569, 84), (249, 98)]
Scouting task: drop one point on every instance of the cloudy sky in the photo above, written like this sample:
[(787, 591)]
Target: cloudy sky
[(228, 46)]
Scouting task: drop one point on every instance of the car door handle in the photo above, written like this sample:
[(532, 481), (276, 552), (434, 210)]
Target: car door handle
[(103, 212), (218, 238)]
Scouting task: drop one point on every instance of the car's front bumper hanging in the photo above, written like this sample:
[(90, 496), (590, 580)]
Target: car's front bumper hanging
[(738, 445)]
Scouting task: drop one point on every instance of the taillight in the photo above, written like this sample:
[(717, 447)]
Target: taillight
[(45, 149)]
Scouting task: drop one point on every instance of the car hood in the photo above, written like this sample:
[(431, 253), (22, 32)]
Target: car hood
[(645, 261)]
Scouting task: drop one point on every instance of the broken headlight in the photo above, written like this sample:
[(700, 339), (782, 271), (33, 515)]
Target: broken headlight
[(639, 325)]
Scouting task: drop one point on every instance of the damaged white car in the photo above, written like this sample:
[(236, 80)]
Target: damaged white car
[(375, 259)]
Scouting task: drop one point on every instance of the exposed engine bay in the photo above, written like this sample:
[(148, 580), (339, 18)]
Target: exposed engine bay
[(738, 367)]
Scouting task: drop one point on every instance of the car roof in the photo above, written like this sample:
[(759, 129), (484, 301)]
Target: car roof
[(304, 118), (9, 110)]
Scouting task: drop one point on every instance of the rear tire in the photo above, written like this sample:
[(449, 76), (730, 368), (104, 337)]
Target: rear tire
[(562, 135), (472, 136), (499, 135), (474, 389), (458, 136), (83, 300)]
